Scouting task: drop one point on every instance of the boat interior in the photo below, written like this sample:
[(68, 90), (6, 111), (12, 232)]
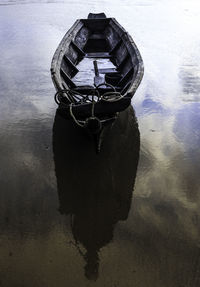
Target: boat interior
[(99, 55)]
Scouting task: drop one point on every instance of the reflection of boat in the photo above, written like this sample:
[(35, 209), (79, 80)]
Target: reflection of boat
[(96, 70), (95, 190)]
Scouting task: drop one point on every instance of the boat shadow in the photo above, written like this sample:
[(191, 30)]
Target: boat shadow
[(95, 190)]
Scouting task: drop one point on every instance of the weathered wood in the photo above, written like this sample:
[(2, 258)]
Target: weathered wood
[(69, 62), (79, 50), (103, 38), (125, 78), (97, 16), (98, 55), (107, 70), (116, 46), (69, 82)]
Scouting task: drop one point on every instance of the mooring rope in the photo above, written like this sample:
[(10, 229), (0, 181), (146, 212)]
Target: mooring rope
[(74, 118), (74, 98)]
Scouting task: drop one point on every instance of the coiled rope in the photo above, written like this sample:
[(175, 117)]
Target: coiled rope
[(76, 98)]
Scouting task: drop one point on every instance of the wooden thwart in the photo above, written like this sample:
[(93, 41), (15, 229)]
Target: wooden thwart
[(98, 55)]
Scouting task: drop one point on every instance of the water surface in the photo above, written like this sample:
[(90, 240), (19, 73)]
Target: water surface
[(69, 218)]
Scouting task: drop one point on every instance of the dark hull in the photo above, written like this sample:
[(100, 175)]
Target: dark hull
[(97, 38)]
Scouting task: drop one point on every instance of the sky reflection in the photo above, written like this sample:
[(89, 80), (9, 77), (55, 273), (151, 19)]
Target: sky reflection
[(161, 235)]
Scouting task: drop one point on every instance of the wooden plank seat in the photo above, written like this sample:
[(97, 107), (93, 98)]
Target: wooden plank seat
[(107, 70), (97, 36), (98, 55)]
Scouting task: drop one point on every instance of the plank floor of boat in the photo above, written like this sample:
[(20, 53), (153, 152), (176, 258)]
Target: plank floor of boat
[(86, 73)]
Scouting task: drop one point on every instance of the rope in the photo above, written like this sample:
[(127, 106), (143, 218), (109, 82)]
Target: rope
[(93, 101), (117, 98), (73, 117), (74, 98)]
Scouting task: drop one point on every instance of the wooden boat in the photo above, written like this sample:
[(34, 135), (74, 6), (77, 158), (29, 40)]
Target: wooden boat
[(96, 70)]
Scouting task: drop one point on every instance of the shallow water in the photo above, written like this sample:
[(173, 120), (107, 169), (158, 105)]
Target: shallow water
[(70, 218)]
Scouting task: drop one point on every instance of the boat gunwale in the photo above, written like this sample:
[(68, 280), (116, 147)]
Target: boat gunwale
[(137, 80), (124, 35), (59, 53)]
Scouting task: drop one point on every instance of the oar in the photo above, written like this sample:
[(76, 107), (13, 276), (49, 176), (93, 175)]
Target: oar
[(97, 79)]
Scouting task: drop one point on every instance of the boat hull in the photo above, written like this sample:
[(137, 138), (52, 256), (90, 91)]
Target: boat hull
[(85, 92)]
